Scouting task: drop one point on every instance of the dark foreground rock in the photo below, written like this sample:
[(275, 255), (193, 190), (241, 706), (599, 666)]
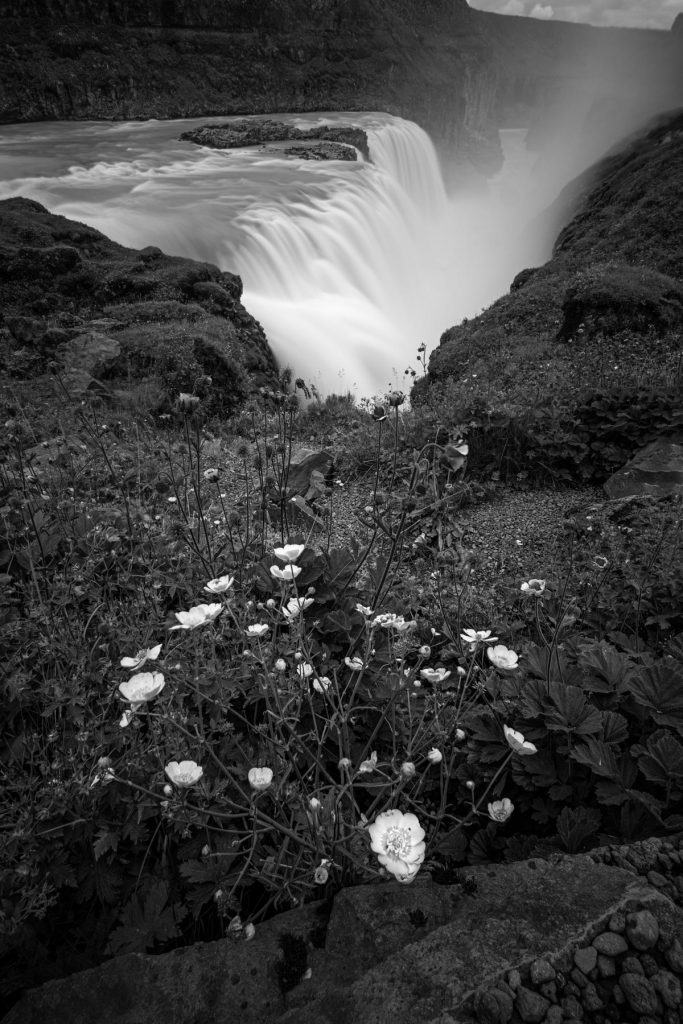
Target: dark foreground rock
[(327, 142), (567, 938), (113, 321)]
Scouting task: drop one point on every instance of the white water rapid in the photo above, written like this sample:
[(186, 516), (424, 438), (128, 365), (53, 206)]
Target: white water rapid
[(348, 266)]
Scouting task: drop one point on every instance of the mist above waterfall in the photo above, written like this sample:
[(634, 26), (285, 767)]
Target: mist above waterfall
[(348, 266)]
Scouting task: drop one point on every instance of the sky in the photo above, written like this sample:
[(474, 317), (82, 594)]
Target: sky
[(617, 13)]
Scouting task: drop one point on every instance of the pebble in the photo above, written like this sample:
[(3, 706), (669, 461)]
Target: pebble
[(674, 956), (493, 1007), (586, 958), (571, 1007), (579, 978), (642, 930), (514, 979), (632, 965), (669, 988), (656, 879), (540, 971), (531, 1006), (617, 922), (606, 966), (610, 944), (649, 964), (554, 1015), (590, 999), (639, 993)]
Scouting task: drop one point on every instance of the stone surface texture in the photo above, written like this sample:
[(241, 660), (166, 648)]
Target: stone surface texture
[(520, 947), (657, 470)]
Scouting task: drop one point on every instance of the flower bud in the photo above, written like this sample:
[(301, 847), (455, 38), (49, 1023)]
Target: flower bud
[(168, 790), (280, 665), (425, 651), (249, 932), (407, 769), (435, 756)]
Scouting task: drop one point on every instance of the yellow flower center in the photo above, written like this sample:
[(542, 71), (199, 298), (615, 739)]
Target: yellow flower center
[(397, 842)]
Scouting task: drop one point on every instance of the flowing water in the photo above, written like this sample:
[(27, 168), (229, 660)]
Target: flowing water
[(348, 266)]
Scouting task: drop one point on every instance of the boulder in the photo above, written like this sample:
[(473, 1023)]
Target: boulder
[(304, 464), (382, 954), (656, 470), (93, 352)]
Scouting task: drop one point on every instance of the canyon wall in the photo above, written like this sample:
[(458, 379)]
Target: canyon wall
[(457, 72)]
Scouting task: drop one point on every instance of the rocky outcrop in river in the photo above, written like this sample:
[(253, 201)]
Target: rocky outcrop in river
[(457, 72)]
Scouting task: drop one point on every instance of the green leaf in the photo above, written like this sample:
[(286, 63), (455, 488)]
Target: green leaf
[(598, 756), (146, 921), (575, 825), (607, 669), (660, 689), (663, 762), (614, 727), (571, 713), (105, 841)]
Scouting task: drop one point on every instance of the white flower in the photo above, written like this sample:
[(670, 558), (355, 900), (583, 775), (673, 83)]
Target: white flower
[(314, 804), (344, 763), (517, 742), (289, 573), (260, 778), (141, 687), (460, 735), (321, 874), (355, 664), (398, 841), (322, 684), (434, 675), (289, 553), (257, 629), (600, 562), (147, 654), (388, 620), (477, 636), (425, 651), (533, 588), (435, 756), (295, 606), (500, 810), (304, 670), (183, 774), (407, 769), (220, 584), (249, 932), (211, 475), (369, 765), (197, 616), (280, 665), (364, 609), (502, 657)]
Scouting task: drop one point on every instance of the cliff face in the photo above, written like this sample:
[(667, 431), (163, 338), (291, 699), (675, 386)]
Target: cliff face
[(614, 282), (457, 72)]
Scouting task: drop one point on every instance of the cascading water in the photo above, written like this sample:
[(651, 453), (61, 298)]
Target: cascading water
[(348, 266)]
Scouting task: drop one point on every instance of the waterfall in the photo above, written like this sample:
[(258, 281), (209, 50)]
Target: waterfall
[(349, 266)]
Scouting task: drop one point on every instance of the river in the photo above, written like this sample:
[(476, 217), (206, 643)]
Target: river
[(348, 266)]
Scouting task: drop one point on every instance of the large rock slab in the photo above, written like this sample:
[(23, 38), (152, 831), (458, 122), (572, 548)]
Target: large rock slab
[(519, 913), (214, 982), (657, 470), (390, 954)]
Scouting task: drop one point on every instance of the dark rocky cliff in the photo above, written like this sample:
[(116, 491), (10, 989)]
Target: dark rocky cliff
[(458, 72)]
